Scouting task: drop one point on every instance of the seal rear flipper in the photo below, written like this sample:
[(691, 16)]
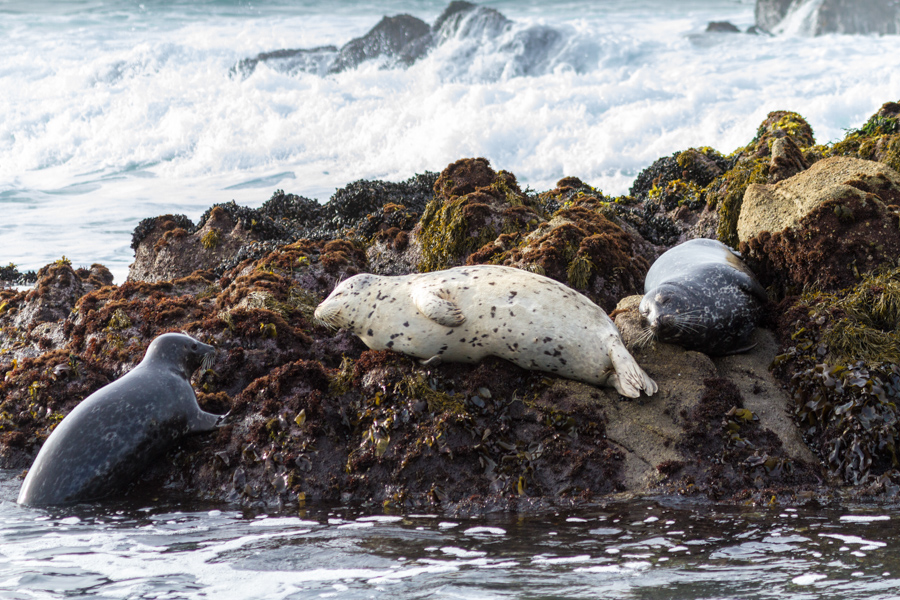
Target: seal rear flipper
[(432, 303), (629, 378), (204, 421)]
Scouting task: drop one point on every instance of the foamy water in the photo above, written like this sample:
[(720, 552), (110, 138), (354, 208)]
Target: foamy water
[(113, 112)]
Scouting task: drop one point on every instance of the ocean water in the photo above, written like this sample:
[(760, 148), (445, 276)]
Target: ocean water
[(673, 549), (113, 111)]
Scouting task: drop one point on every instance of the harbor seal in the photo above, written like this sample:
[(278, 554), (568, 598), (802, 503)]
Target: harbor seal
[(114, 434), (467, 313), (701, 296)]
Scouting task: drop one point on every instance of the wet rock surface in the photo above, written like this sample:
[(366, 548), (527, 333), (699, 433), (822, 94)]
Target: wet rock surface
[(831, 16), (314, 414)]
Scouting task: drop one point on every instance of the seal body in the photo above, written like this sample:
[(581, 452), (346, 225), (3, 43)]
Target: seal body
[(701, 296), (115, 433), (467, 313)]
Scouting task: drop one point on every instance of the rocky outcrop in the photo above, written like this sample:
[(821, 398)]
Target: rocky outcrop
[(824, 227), (171, 246), (878, 139), (818, 17), (782, 205), (315, 415), (399, 38)]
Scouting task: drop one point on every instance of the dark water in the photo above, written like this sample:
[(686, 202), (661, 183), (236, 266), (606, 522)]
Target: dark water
[(644, 549)]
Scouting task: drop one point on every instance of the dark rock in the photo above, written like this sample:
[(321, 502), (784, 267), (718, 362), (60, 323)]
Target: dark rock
[(467, 20), (391, 37), (304, 60), (10, 275), (769, 13), (721, 27), (833, 16)]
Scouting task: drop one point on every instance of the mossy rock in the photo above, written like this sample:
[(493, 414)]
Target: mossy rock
[(753, 164), (680, 179), (840, 357), (826, 227), (473, 206), (878, 139), (580, 247)]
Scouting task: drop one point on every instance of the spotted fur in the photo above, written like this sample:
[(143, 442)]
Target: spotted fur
[(701, 296), (468, 313)]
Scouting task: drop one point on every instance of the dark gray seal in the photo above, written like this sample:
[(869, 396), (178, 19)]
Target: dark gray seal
[(701, 296), (115, 433)]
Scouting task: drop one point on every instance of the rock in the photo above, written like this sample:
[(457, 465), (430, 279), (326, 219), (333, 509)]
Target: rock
[(752, 164), (673, 191), (291, 61), (818, 17), (314, 414), (171, 248), (878, 139), (787, 160), (721, 27), (839, 355), (474, 207), (393, 37), (585, 250), (769, 13), (669, 440), (467, 20), (777, 207)]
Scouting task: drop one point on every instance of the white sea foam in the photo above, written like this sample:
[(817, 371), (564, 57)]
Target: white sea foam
[(121, 114)]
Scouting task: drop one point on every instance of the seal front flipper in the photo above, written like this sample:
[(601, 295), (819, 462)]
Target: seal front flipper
[(435, 304), (629, 378)]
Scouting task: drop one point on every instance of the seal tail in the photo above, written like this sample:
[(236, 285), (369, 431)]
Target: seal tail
[(629, 378)]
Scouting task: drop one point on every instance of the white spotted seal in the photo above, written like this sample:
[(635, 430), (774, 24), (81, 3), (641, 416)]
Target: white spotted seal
[(114, 434), (701, 296), (467, 313)]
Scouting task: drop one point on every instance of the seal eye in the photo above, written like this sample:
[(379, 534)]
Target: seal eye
[(663, 299), (193, 346)]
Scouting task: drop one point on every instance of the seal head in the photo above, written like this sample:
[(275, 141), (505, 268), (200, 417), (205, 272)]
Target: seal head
[(116, 432), (701, 296)]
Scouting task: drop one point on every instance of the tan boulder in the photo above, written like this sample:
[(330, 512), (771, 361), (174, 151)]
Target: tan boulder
[(776, 207)]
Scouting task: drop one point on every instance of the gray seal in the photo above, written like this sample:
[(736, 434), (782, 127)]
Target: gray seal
[(116, 432), (467, 313), (701, 296)]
